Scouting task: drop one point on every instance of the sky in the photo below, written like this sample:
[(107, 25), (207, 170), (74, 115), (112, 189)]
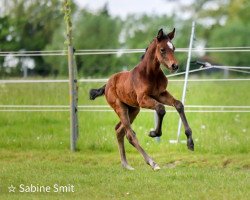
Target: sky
[(124, 7)]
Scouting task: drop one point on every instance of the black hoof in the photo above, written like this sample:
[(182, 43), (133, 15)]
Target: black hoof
[(190, 144), (154, 134)]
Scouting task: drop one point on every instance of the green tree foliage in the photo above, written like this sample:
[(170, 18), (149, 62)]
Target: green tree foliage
[(97, 31), (58, 64), (234, 33), (90, 31), (31, 24), (224, 24)]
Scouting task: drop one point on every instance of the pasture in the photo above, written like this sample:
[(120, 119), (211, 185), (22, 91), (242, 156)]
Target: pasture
[(34, 147)]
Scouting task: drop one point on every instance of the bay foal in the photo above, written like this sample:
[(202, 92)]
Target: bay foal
[(144, 87)]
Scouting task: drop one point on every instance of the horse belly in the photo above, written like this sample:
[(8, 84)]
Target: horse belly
[(129, 98), (127, 95)]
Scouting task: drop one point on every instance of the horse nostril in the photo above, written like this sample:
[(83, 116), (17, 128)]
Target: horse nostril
[(174, 66)]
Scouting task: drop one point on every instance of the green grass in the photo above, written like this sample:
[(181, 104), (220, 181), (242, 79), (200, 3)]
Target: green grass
[(99, 176), (34, 147)]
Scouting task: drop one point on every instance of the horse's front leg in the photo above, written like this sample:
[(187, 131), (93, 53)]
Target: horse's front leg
[(168, 99), (146, 101)]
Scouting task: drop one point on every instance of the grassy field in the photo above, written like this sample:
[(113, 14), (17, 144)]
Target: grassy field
[(34, 148)]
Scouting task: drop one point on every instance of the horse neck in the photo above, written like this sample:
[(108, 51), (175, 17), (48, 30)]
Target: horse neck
[(150, 62)]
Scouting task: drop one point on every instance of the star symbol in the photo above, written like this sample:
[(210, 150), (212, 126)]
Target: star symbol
[(12, 188)]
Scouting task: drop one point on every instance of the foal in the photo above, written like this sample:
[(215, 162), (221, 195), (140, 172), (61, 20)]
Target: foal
[(144, 87)]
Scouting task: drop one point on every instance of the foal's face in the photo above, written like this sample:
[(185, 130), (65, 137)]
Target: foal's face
[(165, 50)]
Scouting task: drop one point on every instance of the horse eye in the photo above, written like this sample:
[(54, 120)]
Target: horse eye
[(162, 50)]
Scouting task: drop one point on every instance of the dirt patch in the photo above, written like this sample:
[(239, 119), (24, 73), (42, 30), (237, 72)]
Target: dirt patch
[(226, 162), (172, 164), (246, 166)]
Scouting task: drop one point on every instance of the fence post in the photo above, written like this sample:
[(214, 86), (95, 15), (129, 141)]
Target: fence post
[(186, 76), (72, 78)]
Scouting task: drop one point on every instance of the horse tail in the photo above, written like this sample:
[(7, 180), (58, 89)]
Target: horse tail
[(93, 93)]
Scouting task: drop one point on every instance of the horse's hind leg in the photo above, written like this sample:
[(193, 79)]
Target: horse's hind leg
[(133, 140), (124, 114), (120, 133)]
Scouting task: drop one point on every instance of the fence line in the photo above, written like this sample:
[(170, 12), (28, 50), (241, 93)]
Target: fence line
[(223, 108), (106, 110), (207, 66), (123, 49), (115, 51), (106, 106), (33, 81), (234, 69), (104, 80)]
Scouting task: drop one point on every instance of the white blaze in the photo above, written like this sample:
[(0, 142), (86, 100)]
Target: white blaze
[(170, 45)]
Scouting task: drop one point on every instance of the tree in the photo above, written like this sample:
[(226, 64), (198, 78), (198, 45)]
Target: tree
[(236, 34), (223, 24), (97, 31), (31, 24), (90, 31)]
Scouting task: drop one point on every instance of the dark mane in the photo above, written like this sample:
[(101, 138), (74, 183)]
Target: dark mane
[(142, 56)]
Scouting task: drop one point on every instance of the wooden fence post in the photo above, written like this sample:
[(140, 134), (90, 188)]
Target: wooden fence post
[(73, 88)]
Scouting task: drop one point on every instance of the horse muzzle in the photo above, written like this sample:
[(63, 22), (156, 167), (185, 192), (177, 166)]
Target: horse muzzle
[(174, 67)]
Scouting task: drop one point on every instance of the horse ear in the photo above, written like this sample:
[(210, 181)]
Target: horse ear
[(160, 35), (171, 34)]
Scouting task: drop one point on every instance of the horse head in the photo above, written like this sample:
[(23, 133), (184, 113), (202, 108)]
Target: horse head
[(165, 50)]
